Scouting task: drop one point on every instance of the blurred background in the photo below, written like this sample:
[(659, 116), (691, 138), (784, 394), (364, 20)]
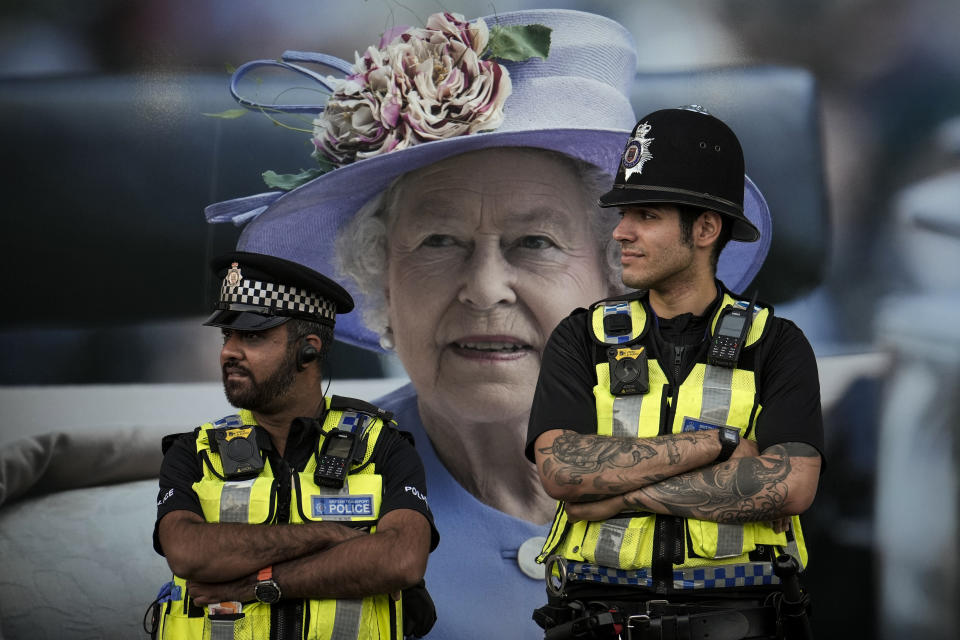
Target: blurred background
[(108, 162)]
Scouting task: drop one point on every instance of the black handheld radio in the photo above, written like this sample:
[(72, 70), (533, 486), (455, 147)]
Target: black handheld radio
[(335, 458), (732, 329)]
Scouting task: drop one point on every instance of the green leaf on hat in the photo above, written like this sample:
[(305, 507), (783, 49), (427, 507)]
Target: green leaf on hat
[(288, 181), (229, 114), (519, 42)]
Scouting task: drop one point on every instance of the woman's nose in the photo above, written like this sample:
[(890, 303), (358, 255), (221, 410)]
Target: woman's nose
[(488, 278)]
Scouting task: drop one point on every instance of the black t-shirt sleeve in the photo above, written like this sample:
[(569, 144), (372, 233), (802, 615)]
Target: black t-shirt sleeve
[(789, 390), (404, 480), (179, 470), (564, 395)]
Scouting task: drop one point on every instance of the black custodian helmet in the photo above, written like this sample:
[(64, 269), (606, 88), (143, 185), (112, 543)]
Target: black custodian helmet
[(684, 156)]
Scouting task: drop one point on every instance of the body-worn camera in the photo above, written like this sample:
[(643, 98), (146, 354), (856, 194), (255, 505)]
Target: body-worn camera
[(628, 370), (239, 453)]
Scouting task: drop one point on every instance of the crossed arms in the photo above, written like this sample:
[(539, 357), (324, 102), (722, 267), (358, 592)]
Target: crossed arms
[(601, 476), (313, 560)]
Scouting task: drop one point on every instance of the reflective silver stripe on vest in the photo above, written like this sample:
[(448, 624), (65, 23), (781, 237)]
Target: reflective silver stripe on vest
[(792, 548), (346, 621), (235, 500), (610, 541), (717, 383), (715, 407), (729, 540), (221, 629), (728, 575), (626, 415)]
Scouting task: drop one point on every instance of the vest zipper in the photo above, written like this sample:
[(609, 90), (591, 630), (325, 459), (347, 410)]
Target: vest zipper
[(667, 532), (285, 617), (678, 351)]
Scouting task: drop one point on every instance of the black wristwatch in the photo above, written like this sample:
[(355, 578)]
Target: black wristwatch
[(267, 590), (729, 440)]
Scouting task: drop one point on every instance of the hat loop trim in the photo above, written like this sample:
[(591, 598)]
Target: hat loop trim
[(697, 194), (285, 61)]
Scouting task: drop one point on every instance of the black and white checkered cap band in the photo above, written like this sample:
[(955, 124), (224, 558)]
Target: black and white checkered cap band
[(280, 298)]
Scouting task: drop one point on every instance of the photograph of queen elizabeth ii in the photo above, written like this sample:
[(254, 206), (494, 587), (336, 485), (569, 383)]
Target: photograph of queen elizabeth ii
[(456, 198), (449, 170)]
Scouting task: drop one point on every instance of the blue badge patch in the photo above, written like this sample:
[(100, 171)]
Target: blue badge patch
[(692, 424), (342, 506)]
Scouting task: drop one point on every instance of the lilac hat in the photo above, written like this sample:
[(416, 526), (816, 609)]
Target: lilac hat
[(574, 101)]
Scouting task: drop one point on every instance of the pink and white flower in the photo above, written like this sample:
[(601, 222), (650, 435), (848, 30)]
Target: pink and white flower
[(425, 84)]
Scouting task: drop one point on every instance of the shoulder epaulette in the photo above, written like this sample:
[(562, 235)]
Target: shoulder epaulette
[(343, 403), (623, 297), (169, 439)]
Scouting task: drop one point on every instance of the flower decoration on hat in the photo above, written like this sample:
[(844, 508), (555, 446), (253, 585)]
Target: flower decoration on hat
[(420, 84), (427, 84)]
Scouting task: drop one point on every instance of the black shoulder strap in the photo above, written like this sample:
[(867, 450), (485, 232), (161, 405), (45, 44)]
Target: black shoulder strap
[(343, 403), (169, 439)]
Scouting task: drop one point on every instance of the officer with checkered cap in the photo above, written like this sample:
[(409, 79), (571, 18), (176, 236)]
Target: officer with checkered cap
[(261, 291), (679, 424), (291, 455)]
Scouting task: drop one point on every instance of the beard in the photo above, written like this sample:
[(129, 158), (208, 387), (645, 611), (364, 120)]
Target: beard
[(248, 393), (666, 268)]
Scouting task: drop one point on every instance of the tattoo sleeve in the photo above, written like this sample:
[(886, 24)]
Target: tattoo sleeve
[(749, 489), (603, 466)]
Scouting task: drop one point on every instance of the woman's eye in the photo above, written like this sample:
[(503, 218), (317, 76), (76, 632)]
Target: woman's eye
[(438, 240), (536, 242)]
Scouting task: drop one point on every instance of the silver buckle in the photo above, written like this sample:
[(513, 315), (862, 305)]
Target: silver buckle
[(556, 590), (629, 625), (649, 602), (641, 616)]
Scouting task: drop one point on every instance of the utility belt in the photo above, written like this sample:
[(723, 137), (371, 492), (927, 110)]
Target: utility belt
[(729, 619), (602, 611)]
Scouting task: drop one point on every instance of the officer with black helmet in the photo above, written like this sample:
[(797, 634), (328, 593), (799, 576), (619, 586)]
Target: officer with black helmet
[(302, 515), (679, 425)]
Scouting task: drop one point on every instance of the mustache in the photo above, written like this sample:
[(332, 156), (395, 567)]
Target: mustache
[(232, 366)]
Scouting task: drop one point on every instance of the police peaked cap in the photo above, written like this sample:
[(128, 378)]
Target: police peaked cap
[(260, 291), (683, 156)]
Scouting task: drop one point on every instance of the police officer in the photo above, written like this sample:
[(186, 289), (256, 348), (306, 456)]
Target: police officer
[(302, 515), (679, 425)]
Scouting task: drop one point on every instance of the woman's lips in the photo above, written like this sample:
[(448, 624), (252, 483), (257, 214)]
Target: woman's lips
[(490, 348)]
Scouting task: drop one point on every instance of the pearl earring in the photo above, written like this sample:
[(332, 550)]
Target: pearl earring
[(386, 339)]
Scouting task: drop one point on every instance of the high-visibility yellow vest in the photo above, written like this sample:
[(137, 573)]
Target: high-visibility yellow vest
[(255, 501), (691, 553)]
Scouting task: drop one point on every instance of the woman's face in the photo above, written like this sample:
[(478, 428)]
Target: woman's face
[(488, 251)]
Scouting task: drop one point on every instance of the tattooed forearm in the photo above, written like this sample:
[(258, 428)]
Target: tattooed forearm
[(604, 465), (742, 490), (673, 451)]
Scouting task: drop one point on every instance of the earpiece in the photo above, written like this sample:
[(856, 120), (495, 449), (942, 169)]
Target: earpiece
[(307, 354)]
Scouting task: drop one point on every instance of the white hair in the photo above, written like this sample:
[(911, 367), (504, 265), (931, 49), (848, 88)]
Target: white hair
[(361, 246)]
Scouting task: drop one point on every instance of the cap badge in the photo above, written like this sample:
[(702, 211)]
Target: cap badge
[(637, 151), (233, 276)]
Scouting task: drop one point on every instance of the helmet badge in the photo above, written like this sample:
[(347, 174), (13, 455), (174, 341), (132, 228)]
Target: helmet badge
[(233, 276), (637, 151)]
